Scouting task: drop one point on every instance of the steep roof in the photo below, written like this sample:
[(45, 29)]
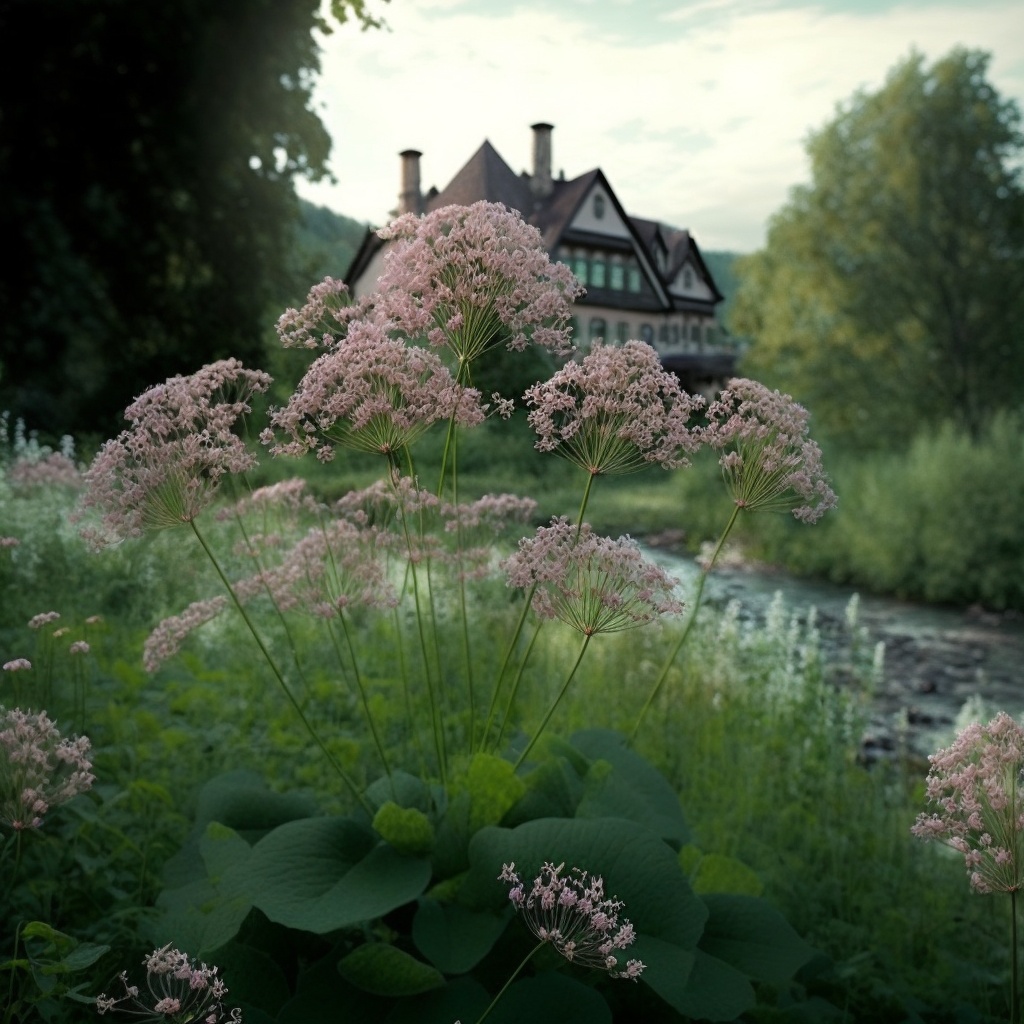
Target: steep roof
[(485, 176)]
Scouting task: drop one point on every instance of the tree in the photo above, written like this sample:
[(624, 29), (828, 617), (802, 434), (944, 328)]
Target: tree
[(891, 290), (147, 159)]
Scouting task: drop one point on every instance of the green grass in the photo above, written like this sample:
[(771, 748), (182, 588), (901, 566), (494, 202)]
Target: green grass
[(753, 730)]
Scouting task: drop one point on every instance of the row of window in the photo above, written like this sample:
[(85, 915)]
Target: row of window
[(667, 334), (600, 270)]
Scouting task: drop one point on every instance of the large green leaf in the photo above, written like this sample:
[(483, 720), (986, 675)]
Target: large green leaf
[(323, 995), (754, 937), (636, 866), (385, 970), (463, 999), (553, 790), (320, 874), (631, 788), (551, 998), (253, 978), (714, 991), (454, 938)]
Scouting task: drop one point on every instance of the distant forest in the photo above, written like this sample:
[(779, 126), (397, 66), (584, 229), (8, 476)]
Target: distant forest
[(327, 242)]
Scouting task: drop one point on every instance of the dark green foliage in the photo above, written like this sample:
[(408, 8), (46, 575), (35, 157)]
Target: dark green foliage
[(146, 167), (891, 289)]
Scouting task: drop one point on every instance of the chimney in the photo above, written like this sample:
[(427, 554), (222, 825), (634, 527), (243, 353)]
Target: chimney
[(410, 199), (540, 183)]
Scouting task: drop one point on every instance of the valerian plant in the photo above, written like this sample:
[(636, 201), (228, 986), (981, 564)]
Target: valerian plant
[(460, 777)]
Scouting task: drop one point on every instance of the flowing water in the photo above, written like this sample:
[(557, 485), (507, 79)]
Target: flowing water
[(936, 658)]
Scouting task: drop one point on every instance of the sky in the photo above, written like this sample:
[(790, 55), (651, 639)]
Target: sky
[(697, 111)]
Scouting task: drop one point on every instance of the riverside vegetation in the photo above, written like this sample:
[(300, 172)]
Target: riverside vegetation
[(331, 729)]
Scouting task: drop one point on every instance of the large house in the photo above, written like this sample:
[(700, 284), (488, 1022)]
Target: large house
[(644, 280)]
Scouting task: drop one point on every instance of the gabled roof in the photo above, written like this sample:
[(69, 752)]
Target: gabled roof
[(682, 247), (485, 176)]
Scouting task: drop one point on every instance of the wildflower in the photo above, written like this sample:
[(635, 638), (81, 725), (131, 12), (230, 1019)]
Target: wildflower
[(178, 990), (371, 394), (43, 619), (166, 639), (572, 913), (38, 768), (615, 411), (18, 665), (79, 647), (593, 584), (48, 469), (769, 463), (976, 785), (166, 467), (9, 542), (322, 321), (470, 278)]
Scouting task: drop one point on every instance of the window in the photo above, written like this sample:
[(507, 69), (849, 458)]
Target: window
[(597, 271), (598, 206), (695, 331), (579, 268), (647, 333), (687, 278), (633, 278), (617, 274), (598, 329), (622, 332), (663, 335), (673, 334)]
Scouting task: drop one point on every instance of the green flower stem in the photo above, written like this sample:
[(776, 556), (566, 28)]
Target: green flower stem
[(557, 701), (342, 774), (515, 686), (1014, 960), (358, 676), (512, 977), (691, 618), (504, 666), (583, 503)]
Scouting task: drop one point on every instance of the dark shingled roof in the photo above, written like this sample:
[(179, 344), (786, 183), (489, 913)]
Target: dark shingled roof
[(487, 177)]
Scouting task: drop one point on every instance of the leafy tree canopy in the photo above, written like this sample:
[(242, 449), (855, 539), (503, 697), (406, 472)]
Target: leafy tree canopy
[(891, 290), (147, 158)]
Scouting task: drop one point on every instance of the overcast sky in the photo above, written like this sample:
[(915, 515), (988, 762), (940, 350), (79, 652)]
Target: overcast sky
[(696, 110)]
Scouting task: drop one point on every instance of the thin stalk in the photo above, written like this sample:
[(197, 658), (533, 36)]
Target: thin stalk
[(583, 503), (557, 701), (515, 686), (504, 664), (363, 699), (342, 774), (512, 977), (690, 619), (1014, 959)]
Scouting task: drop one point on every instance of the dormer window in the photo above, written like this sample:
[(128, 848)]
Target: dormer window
[(598, 206), (687, 278)]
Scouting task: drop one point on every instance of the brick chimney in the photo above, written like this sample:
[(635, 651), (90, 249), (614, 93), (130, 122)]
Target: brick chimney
[(410, 199), (540, 183)]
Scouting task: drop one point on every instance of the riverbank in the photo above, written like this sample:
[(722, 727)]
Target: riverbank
[(936, 658)]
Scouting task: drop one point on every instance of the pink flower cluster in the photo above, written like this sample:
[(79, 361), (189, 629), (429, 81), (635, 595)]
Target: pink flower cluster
[(372, 394), (769, 463), (178, 989), (165, 468), (53, 469), (166, 639), (978, 788), (470, 278), (573, 914), (593, 584), (615, 411), (323, 321), (38, 768)]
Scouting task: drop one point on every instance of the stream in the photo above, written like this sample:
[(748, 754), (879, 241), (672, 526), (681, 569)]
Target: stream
[(936, 658)]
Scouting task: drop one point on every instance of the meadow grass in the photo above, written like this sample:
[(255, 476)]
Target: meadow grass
[(754, 730)]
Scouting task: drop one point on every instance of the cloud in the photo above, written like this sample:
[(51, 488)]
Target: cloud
[(696, 113)]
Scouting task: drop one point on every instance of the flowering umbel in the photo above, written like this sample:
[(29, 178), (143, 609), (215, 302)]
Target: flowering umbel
[(572, 913), (769, 462), (976, 784), (470, 278), (178, 991), (615, 411), (39, 769), (592, 583), (166, 467)]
